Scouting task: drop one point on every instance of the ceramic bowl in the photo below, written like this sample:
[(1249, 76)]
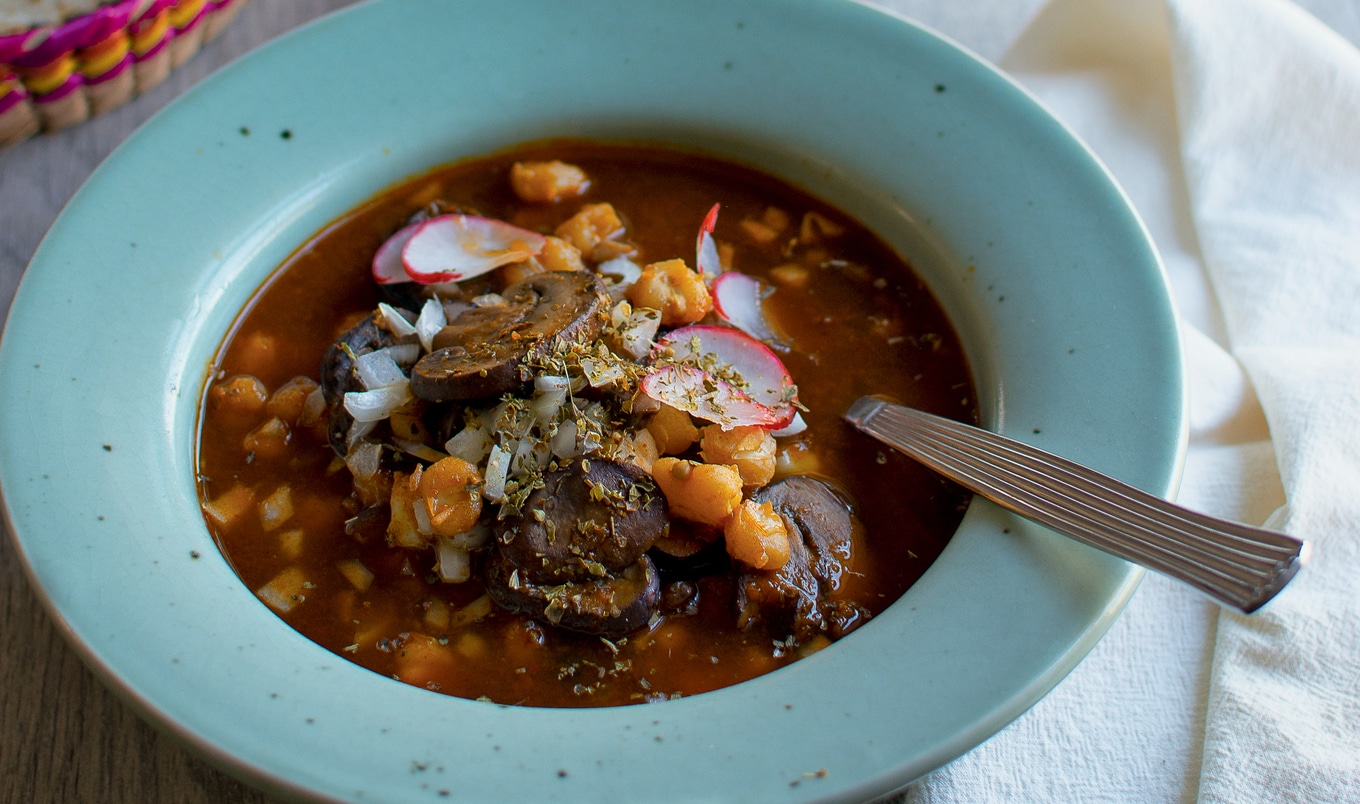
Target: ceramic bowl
[(1033, 250)]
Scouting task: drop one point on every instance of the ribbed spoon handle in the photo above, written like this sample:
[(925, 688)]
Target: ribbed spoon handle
[(1236, 565)]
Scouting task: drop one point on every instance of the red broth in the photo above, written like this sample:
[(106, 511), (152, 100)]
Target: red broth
[(856, 319)]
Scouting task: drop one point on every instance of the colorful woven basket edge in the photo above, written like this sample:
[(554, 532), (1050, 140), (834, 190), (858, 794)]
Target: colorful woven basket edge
[(52, 77)]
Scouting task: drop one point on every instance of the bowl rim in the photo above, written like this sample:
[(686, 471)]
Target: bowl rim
[(198, 136)]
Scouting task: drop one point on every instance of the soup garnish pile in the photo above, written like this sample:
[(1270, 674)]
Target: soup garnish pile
[(561, 427)]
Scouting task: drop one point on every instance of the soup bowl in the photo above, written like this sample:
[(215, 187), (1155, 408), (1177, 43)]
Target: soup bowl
[(1034, 252)]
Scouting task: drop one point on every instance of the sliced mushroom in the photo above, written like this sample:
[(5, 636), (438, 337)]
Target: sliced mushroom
[(590, 518), (611, 606), (798, 597), (482, 357)]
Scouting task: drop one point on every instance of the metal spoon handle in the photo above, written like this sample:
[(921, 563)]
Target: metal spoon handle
[(1234, 564)]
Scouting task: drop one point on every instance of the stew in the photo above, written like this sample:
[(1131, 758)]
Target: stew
[(593, 454)]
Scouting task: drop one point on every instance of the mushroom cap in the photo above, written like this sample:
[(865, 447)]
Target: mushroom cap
[(589, 517), (479, 354)]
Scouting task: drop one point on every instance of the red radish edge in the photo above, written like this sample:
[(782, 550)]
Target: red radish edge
[(705, 249), (736, 300), (451, 248), (767, 380), (699, 393), (387, 265)]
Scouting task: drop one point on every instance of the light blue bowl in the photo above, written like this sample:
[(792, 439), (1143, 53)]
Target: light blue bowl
[(1036, 254)]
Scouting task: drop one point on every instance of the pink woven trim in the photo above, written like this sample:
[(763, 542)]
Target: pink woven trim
[(196, 21), (15, 45), (156, 48), (111, 73), (13, 98), (155, 7), (75, 82)]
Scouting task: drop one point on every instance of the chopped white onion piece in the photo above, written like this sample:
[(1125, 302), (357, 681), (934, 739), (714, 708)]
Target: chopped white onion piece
[(471, 444), (406, 354), (422, 516), (531, 455), (377, 404), (453, 564), (563, 443), (478, 537), (357, 431), (430, 321), (364, 460), (489, 300), (637, 334), (378, 370), (395, 322), (601, 373), (619, 274), (546, 404), (550, 382), (497, 467)]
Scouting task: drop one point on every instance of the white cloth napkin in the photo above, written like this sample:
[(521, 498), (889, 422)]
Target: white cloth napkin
[(1234, 125)]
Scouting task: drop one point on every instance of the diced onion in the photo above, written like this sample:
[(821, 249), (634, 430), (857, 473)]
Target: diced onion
[(637, 333), (430, 321), (471, 444), (422, 516), (497, 467), (563, 443), (364, 459), (377, 404), (619, 273), (357, 431), (454, 564), (378, 370), (395, 322), (406, 354), (550, 382), (479, 536), (601, 373)]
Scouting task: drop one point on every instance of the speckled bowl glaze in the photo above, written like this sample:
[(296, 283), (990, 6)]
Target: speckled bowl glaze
[(1036, 254)]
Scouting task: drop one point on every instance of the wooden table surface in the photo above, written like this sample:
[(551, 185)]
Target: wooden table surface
[(64, 737)]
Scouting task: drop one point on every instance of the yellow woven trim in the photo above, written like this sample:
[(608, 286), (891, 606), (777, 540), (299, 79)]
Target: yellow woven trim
[(50, 76), (185, 11), (100, 58), (145, 40)]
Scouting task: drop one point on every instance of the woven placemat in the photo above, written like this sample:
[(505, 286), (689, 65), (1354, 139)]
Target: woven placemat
[(55, 76)]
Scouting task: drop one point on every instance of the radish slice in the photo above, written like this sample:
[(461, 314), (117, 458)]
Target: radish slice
[(706, 249), (793, 428), (701, 394), (737, 300), (767, 381), (387, 265), (455, 247)]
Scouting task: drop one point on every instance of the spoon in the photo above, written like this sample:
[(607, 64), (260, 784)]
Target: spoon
[(1237, 566)]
